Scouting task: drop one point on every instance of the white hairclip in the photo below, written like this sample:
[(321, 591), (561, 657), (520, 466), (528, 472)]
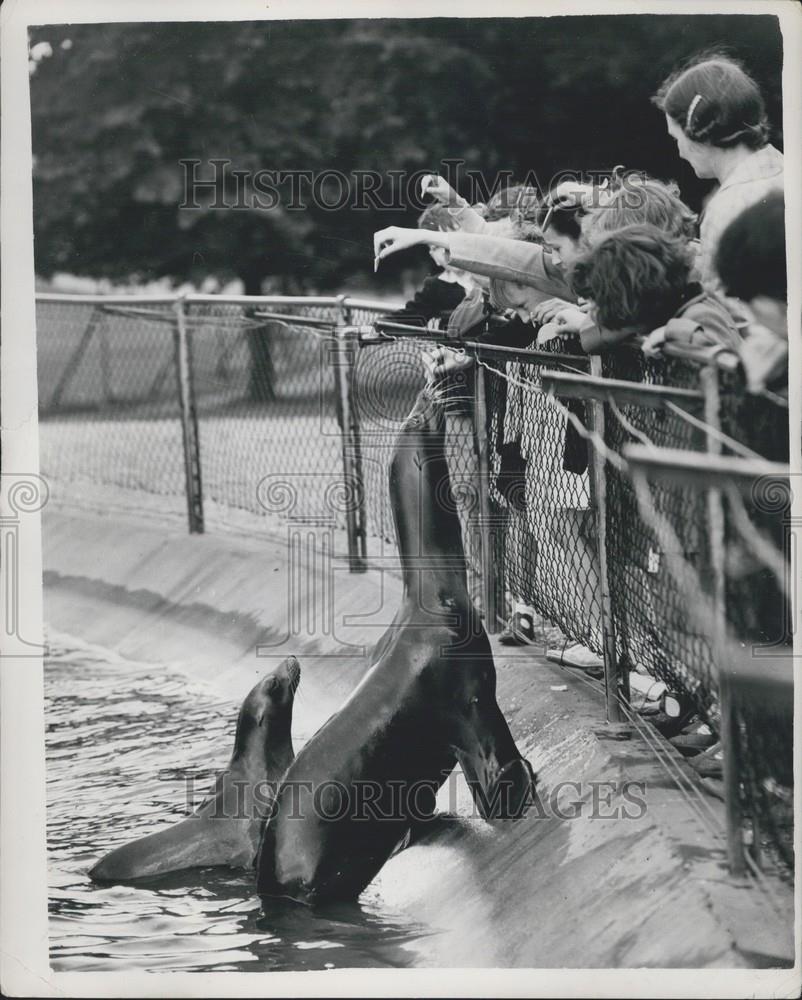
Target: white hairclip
[(691, 109)]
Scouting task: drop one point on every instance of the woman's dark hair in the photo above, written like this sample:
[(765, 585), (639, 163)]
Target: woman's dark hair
[(564, 217), (437, 218), (750, 259), (716, 102), (636, 276)]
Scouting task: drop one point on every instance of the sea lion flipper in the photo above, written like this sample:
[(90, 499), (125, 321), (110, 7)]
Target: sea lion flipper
[(193, 843)]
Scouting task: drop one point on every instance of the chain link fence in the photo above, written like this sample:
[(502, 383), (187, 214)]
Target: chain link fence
[(108, 401), (296, 404), (652, 627), (540, 498)]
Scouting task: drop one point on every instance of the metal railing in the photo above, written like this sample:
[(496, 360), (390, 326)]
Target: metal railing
[(288, 407)]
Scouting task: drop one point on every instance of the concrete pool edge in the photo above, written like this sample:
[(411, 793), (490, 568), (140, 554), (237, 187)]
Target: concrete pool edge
[(617, 894)]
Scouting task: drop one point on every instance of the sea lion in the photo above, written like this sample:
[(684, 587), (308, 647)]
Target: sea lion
[(370, 774), (225, 828)]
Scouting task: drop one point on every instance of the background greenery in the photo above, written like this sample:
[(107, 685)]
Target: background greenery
[(115, 107)]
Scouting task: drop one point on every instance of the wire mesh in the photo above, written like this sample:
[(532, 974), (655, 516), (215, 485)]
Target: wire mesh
[(266, 392), (764, 748), (759, 614), (270, 441), (540, 500), (653, 630), (109, 411)]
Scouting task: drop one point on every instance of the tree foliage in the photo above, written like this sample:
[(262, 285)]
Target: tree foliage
[(117, 107)]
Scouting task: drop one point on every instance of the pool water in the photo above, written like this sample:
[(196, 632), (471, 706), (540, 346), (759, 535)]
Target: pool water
[(132, 748)]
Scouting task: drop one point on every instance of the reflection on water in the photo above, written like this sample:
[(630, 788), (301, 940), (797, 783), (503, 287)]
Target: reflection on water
[(129, 746)]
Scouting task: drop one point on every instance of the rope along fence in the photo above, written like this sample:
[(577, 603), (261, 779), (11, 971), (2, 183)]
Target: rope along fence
[(288, 408)]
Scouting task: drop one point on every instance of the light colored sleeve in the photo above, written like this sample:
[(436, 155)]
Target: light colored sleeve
[(509, 260), (721, 210), (468, 219), (704, 324)]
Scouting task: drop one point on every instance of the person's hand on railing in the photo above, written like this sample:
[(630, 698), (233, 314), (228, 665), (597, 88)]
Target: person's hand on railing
[(548, 310), (567, 322), (652, 345), (441, 361)]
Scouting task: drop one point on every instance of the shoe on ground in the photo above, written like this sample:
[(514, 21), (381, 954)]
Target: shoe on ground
[(578, 656), (708, 767), (520, 631), (666, 725), (691, 744)]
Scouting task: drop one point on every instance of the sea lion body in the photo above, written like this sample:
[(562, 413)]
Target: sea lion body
[(226, 827), (371, 773)]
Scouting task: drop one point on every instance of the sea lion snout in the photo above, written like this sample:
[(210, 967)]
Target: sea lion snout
[(293, 668), (428, 413), (517, 785), (288, 671)]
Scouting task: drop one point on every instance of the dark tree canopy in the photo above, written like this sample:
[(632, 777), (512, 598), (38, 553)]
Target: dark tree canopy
[(118, 108)]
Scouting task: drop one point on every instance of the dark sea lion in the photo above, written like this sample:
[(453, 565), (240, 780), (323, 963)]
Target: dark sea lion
[(225, 828), (370, 774)]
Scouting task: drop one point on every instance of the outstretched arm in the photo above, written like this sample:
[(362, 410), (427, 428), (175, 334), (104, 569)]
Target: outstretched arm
[(494, 256), (466, 217)]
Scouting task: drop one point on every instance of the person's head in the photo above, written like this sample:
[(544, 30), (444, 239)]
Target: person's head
[(561, 225), (641, 199), (513, 296), (517, 202), (636, 277), (438, 219), (712, 105), (750, 261)]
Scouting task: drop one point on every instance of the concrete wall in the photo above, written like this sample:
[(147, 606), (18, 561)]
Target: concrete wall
[(545, 892)]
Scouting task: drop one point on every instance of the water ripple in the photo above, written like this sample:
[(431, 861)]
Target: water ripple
[(131, 748)]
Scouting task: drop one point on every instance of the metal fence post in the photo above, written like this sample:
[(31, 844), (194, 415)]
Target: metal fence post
[(348, 416), (189, 420), (489, 593), (732, 792), (709, 380), (598, 482)]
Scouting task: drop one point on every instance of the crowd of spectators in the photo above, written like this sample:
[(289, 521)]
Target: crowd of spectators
[(621, 262)]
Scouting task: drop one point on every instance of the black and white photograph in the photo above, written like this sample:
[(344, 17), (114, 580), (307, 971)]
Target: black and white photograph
[(401, 498)]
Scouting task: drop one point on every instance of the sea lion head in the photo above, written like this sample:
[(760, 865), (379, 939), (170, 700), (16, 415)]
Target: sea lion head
[(427, 417), (266, 713), (501, 780)]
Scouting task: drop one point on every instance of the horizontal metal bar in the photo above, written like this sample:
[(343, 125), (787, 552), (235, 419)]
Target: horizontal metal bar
[(724, 359), (619, 390), (129, 300), (703, 470), (267, 300), (149, 314), (297, 320), (372, 304), (474, 347), (525, 353)]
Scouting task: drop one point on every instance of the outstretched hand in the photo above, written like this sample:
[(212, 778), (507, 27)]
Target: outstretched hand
[(438, 188), (392, 239)]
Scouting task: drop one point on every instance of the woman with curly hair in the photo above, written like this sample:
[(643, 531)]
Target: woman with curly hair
[(638, 279)]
